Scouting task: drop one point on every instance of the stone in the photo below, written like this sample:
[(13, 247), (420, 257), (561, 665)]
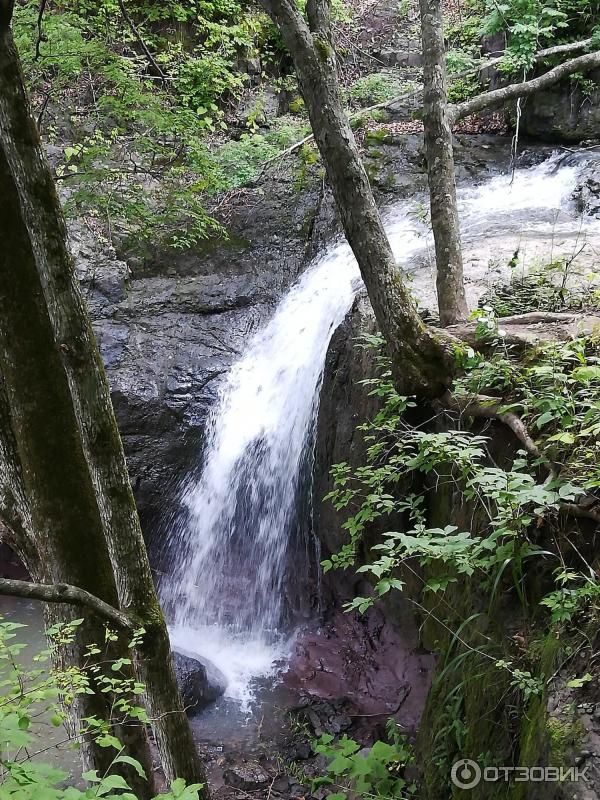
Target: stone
[(259, 107), (391, 57), (563, 113), (246, 776), (200, 681)]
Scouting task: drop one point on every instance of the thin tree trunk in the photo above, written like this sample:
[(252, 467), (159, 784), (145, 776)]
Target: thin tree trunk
[(420, 359), (452, 302), (71, 458)]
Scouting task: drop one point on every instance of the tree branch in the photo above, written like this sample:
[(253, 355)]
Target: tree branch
[(153, 63), (483, 406), (583, 63), (65, 593), (548, 52)]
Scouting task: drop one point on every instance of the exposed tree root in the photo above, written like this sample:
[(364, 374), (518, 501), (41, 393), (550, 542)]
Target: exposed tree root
[(580, 511), (485, 407), (527, 330)]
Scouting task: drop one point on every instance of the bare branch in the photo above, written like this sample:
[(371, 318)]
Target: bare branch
[(153, 63), (40, 37), (65, 593), (583, 63)]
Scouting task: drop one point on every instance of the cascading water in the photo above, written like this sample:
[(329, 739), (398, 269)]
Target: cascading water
[(236, 527), (235, 533)]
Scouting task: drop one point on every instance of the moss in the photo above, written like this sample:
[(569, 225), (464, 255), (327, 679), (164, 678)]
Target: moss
[(377, 136), (296, 105), (564, 737), (323, 48), (308, 221)]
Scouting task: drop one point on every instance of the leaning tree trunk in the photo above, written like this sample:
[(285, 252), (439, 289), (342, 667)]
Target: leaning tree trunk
[(420, 358), (71, 459), (452, 302)]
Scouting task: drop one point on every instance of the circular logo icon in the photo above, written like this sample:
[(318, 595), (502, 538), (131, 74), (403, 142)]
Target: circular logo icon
[(465, 773)]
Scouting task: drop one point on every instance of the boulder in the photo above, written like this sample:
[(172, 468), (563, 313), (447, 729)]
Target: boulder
[(200, 681), (247, 776), (565, 112)]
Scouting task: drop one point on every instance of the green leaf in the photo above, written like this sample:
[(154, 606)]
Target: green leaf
[(111, 782), (577, 683), (123, 759)]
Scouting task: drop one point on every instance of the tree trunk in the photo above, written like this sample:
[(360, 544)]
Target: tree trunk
[(69, 456), (452, 302), (420, 359)]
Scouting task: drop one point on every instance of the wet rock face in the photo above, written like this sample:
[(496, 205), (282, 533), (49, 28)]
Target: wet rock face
[(169, 327), (587, 194), (200, 681), (563, 113)]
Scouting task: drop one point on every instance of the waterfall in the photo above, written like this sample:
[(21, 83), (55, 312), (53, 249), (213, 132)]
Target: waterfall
[(235, 535), (239, 529)]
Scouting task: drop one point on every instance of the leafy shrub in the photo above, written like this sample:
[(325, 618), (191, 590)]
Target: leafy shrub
[(375, 88), (31, 698), (557, 396), (376, 772), (240, 161)]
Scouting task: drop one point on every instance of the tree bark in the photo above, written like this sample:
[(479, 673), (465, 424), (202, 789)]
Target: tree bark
[(421, 359), (69, 456), (439, 152)]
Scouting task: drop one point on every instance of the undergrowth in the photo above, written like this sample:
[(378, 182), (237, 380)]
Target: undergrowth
[(512, 540), (35, 697)]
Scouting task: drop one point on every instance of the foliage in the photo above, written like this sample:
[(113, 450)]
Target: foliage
[(136, 150), (33, 698), (463, 88), (557, 394), (375, 88), (534, 24), (558, 286), (376, 772), (241, 161)]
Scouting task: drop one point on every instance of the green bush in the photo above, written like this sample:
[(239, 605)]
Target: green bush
[(375, 88)]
